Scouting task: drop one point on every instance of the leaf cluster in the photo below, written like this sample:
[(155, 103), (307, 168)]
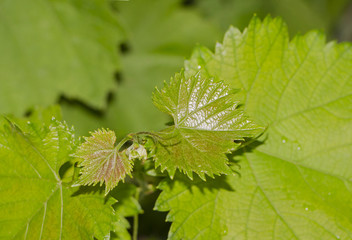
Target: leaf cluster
[(258, 143)]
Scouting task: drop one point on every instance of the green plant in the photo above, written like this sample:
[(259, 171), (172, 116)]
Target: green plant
[(293, 180)]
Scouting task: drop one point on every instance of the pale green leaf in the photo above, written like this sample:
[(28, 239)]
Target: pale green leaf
[(206, 123), (38, 118), (54, 47), (102, 161), (195, 207), (34, 201), (297, 182)]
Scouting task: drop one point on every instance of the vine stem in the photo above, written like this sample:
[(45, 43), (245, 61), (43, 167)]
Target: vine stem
[(123, 141), (135, 217), (132, 137), (140, 182)]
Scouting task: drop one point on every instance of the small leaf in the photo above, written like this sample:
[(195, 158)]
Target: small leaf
[(102, 161), (207, 122), (136, 151)]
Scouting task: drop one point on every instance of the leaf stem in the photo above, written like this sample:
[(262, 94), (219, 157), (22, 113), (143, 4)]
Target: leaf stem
[(135, 217), (132, 136), (123, 141)]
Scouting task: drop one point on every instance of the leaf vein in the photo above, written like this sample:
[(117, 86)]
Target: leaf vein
[(269, 200)]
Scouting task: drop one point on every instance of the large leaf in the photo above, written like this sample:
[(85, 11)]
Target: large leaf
[(297, 184), (35, 202), (206, 123), (54, 47), (160, 36)]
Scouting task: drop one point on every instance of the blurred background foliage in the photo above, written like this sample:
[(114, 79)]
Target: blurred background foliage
[(160, 34), (100, 60)]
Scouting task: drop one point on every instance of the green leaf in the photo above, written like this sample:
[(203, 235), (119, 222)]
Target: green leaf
[(297, 182), (55, 47), (206, 123), (197, 208), (38, 117), (35, 203), (102, 161)]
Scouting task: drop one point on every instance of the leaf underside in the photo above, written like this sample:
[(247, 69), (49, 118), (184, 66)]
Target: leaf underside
[(206, 123), (297, 183)]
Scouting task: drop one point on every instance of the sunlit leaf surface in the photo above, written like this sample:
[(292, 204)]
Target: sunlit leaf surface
[(206, 123), (296, 181)]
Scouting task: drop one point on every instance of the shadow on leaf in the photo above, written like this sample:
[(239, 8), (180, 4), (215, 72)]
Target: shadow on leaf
[(89, 190)]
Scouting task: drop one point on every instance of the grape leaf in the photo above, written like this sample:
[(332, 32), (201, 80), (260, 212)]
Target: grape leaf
[(56, 47), (102, 161), (296, 183), (200, 214), (35, 203), (206, 123)]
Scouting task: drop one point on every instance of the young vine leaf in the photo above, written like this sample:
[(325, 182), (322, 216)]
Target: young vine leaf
[(103, 162), (297, 184), (35, 202), (206, 123)]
